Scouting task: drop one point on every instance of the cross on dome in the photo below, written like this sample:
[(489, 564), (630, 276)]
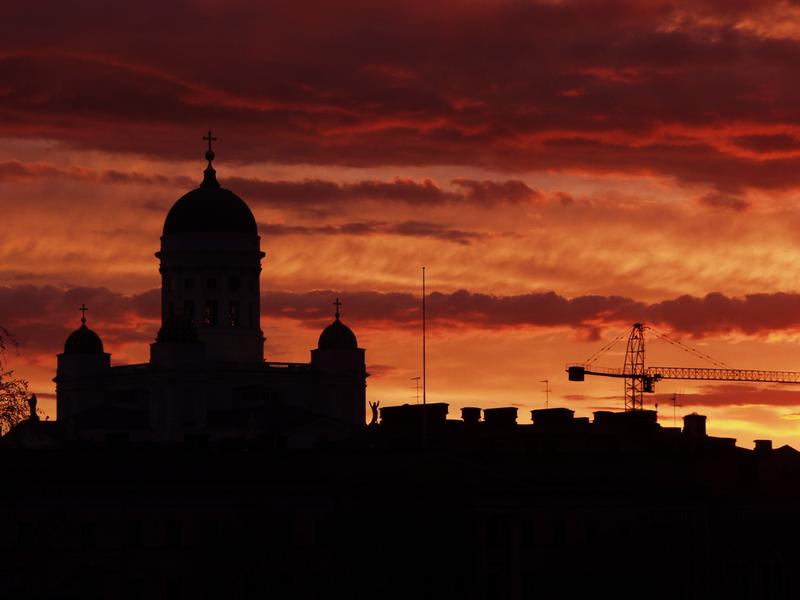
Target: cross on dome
[(209, 175), (83, 310), (337, 304), (209, 153)]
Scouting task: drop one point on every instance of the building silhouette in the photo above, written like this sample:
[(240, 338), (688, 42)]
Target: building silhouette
[(207, 375), (210, 473)]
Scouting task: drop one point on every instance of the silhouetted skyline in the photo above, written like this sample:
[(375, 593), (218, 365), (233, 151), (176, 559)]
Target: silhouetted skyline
[(562, 170)]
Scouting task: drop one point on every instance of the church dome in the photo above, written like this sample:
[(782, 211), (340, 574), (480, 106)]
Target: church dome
[(210, 209), (337, 335), (83, 341)]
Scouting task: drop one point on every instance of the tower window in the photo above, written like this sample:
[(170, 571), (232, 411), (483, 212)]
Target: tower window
[(174, 533), (211, 283), (211, 316), (88, 535), (234, 283), (188, 310), (233, 314), (169, 283), (135, 533), (250, 314)]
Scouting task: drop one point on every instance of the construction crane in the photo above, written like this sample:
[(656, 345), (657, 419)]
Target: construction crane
[(641, 379)]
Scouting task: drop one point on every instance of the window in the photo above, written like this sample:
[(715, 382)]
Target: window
[(174, 531), (173, 587), (211, 316), (250, 314), (624, 530), (188, 310), (560, 532), (212, 533), (25, 534), (591, 530), (188, 283), (322, 533), (88, 535), (528, 533), (135, 533), (211, 283), (233, 313), (234, 283), (135, 588)]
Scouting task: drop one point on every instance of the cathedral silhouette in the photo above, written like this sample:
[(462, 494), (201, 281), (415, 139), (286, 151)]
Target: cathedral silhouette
[(207, 375)]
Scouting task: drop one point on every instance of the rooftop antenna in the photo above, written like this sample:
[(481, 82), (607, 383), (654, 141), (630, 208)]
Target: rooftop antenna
[(416, 380), (546, 383), (424, 361)]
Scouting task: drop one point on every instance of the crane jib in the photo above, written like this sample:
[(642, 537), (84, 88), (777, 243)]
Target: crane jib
[(578, 372)]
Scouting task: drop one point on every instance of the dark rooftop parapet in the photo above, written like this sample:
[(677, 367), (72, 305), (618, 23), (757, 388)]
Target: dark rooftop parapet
[(628, 421), (552, 417), (505, 416), (410, 415), (694, 425), (471, 415), (763, 446)]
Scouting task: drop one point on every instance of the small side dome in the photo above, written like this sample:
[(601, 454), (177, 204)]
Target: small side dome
[(177, 329), (83, 341), (337, 335)]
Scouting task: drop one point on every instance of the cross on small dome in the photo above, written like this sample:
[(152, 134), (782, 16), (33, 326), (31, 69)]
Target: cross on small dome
[(337, 304)]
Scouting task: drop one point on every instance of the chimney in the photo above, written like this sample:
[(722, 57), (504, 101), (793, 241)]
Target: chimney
[(694, 425), (552, 417), (500, 417), (471, 415), (763, 446)]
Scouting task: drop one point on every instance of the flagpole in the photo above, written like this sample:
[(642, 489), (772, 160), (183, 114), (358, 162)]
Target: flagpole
[(424, 365)]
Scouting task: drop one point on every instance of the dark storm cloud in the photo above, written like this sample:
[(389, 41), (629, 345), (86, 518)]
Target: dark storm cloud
[(694, 316), (734, 395), (307, 193), (723, 200), (40, 317), (359, 228), (768, 143), (315, 192), (412, 83), (14, 171)]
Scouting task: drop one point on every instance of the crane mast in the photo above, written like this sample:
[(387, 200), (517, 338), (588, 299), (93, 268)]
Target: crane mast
[(641, 379), (634, 364)]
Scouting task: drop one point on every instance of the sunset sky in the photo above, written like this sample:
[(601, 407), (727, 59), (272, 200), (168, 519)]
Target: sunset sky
[(562, 169)]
